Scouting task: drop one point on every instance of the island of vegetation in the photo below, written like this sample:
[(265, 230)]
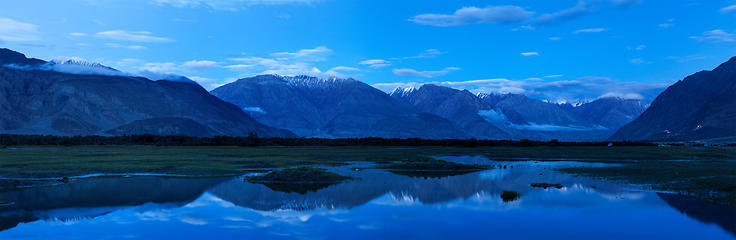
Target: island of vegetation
[(298, 179), (546, 185), (431, 164), (510, 196)]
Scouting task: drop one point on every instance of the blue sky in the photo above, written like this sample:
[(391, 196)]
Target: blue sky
[(554, 50)]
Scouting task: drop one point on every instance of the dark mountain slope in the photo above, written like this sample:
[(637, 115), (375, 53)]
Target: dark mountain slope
[(34, 101), (701, 106)]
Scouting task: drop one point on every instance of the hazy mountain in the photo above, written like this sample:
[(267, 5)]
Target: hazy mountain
[(333, 107), (35, 98), (701, 106), (611, 112), (515, 116), (460, 107)]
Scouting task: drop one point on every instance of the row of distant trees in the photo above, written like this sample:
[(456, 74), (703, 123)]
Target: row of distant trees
[(253, 141)]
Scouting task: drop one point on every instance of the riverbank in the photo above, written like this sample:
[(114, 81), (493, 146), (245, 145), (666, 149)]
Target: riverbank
[(712, 180), (705, 172)]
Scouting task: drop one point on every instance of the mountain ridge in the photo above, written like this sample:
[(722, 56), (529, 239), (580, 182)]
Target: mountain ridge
[(35, 101), (310, 107), (701, 106)]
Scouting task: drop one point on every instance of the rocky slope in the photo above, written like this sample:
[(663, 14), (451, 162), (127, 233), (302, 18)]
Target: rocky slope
[(460, 107), (515, 116), (701, 106), (339, 108), (35, 99)]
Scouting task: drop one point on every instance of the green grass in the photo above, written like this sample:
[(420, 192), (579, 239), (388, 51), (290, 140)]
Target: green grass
[(615, 153), (299, 175), (299, 179), (713, 180), (710, 176), (431, 164)]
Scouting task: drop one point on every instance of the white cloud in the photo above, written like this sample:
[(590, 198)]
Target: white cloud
[(634, 96), (376, 63), (290, 64), (516, 15), (73, 68), (637, 61), (317, 54), (590, 30), (729, 9), (581, 89), (554, 38), (640, 47), (552, 76), (199, 65), (11, 30), (527, 54), (424, 74), (159, 67), (240, 66), (548, 19), (78, 34), (131, 36), (226, 5), (687, 58), (715, 36), (343, 68), (125, 62), (474, 15), (202, 79), (429, 53), (524, 28), (372, 61), (132, 47), (206, 83), (665, 25)]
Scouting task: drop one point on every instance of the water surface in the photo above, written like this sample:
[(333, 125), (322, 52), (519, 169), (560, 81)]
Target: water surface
[(380, 204)]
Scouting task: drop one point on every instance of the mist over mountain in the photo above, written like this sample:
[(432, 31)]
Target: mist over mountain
[(701, 106), (333, 108), (515, 116), (460, 107), (610, 112), (37, 100)]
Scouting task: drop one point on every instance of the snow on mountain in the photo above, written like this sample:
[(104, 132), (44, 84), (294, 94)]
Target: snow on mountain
[(314, 82), (333, 107), (401, 92)]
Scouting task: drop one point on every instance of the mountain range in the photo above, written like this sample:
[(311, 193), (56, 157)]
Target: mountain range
[(36, 98), (79, 98), (333, 108), (515, 116)]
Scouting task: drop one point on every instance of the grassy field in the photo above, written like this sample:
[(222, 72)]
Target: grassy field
[(713, 180), (709, 173)]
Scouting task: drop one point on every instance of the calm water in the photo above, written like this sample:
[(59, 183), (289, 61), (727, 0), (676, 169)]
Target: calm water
[(379, 205)]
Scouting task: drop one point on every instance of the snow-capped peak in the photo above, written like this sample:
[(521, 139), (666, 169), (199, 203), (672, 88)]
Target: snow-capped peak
[(81, 63), (402, 91), (313, 82)]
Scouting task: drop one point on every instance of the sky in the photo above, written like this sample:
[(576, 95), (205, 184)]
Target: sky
[(559, 51)]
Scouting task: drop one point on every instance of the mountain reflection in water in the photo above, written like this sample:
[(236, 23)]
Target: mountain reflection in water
[(378, 204)]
